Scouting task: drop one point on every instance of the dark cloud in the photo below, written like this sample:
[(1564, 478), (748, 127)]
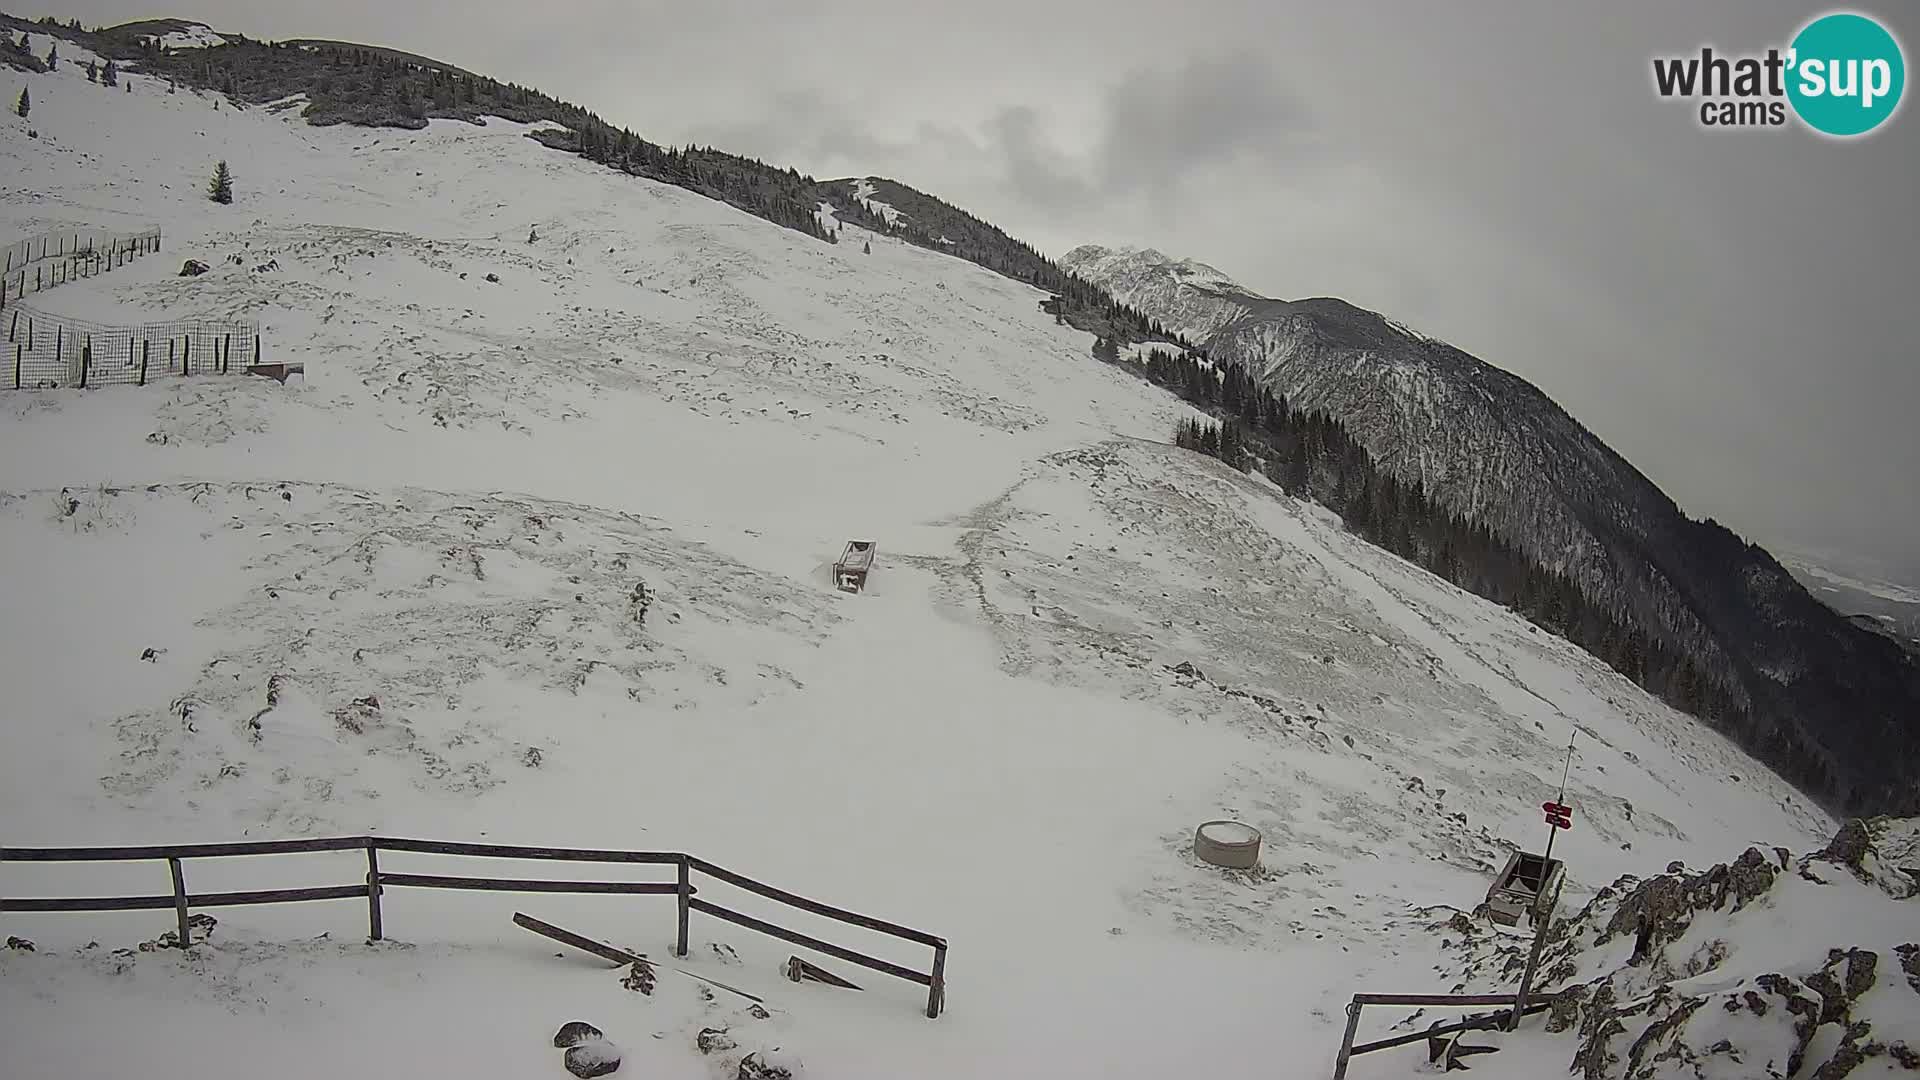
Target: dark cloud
[(1731, 312), (1209, 111)]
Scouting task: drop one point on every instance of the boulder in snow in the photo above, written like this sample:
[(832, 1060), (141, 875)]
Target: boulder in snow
[(765, 1066), (714, 1041), (574, 1032), (193, 268), (594, 1057)]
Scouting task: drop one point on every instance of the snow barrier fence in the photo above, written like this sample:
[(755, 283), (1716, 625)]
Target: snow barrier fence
[(41, 262), (48, 352)]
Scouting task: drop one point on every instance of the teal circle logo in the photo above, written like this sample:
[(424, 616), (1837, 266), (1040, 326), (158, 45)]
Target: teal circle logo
[(1846, 74)]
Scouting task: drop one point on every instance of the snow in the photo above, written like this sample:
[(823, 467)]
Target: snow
[(863, 191), (194, 36), (1884, 590), (452, 514)]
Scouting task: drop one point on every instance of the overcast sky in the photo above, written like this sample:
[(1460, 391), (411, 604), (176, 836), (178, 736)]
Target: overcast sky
[(1733, 312)]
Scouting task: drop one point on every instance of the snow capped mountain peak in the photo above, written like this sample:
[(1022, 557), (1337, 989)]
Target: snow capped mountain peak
[(1187, 296), (1144, 260)]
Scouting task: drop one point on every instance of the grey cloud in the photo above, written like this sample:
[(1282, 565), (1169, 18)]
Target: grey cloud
[(1034, 171), (1209, 111)]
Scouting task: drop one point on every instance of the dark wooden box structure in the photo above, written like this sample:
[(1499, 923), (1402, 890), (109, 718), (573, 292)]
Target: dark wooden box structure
[(278, 371), (1517, 891), (850, 573)]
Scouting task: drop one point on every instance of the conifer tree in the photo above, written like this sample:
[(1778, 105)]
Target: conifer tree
[(110, 75), (53, 56), (221, 189), (93, 72), (23, 106)]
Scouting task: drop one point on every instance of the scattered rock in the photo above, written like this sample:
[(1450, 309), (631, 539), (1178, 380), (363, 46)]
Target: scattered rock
[(1848, 974), (19, 944), (193, 268), (493, 278), (755, 1067), (532, 758), (1565, 1011), (1660, 909), (714, 1041), (723, 953), (595, 1057), (1910, 963), (575, 1032), (1187, 669), (1849, 846)]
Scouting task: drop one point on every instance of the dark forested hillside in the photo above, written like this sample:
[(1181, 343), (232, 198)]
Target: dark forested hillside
[(1831, 707), (940, 226)]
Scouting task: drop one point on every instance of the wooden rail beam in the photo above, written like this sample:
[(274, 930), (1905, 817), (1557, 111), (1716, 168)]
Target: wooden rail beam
[(798, 938), (440, 881)]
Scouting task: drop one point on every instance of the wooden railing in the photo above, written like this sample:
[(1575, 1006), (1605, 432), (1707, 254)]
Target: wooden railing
[(377, 880), (1349, 1051)]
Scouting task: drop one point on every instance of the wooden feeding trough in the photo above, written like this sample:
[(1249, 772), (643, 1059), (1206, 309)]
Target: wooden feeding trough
[(1516, 893), (850, 573), (278, 371)]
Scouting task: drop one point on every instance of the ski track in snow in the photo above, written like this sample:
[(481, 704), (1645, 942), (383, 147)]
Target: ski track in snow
[(450, 517)]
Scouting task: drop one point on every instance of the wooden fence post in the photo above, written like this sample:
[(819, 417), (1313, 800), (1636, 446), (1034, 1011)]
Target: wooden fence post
[(86, 362), (685, 894), (16, 364), (180, 902), (13, 326), (1346, 1041), (373, 890), (146, 347), (186, 353), (937, 990), (256, 350), (226, 361), (170, 355)]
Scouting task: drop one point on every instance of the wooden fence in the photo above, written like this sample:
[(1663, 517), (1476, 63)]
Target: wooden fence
[(682, 888), (42, 262), (1512, 1002)]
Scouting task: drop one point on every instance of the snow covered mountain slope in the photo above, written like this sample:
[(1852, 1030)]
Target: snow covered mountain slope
[(1828, 704), (544, 561), (1187, 296)]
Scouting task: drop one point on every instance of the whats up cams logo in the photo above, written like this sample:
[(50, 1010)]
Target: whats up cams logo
[(1841, 76)]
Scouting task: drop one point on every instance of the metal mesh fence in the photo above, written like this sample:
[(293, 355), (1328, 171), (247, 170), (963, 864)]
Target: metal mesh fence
[(47, 352), (42, 262)]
